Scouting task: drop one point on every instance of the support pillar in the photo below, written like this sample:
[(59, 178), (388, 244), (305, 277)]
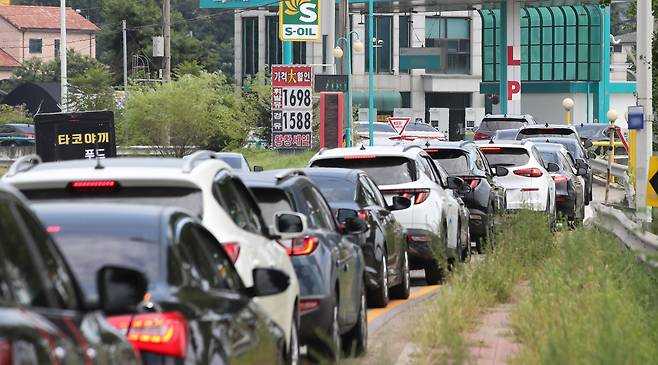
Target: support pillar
[(510, 57), (601, 92), (644, 148), (287, 53)]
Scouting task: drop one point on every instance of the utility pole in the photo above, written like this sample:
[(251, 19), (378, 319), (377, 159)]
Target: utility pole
[(644, 148), (125, 59), (62, 56), (166, 20), (343, 29)]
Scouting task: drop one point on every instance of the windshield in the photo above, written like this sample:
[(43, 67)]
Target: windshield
[(125, 242), (505, 156), (496, 124), (25, 128), (506, 134), (270, 202), (453, 161), (419, 127), (234, 162), (550, 156), (186, 198), (382, 170), (377, 127), (591, 130), (335, 190), (546, 132)]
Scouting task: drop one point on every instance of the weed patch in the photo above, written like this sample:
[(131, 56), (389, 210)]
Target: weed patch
[(271, 160)]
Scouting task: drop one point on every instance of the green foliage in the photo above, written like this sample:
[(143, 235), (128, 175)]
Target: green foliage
[(92, 90), (191, 112), (13, 114), (188, 68), (257, 90), (35, 69)]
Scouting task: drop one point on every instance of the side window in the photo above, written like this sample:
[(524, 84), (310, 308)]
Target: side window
[(567, 162), (425, 168), (367, 190), (438, 178), (195, 258), (537, 156), (27, 286), (230, 198), (316, 213), (361, 196), (227, 277), (63, 285), (379, 198)]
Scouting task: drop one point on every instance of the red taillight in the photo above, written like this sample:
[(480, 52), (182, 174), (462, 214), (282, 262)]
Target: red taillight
[(162, 333), (472, 181), (359, 157), (28, 136), (232, 250), (301, 246), (308, 305), (416, 195), (480, 135), (95, 186), (418, 238), (5, 352), (530, 189), (559, 179), (54, 229), (531, 172), (362, 215), (489, 149)]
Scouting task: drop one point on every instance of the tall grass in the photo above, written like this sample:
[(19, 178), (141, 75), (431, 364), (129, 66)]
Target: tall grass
[(3, 171), (525, 240), (276, 160), (590, 303)]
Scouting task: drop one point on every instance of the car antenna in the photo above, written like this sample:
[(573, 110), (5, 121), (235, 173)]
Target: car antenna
[(546, 125), (362, 148), (491, 141), (427, 144)]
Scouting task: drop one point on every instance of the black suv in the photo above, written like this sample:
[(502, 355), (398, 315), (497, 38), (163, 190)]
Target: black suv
[(330, 267), (486, 199), (196, 310), (13, 135), (44, 319), (355, 199)]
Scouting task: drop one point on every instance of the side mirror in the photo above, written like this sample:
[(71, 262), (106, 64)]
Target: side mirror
[(552, 167), (501, 171), (457, 184), (288, 225), (268, 282), (581, 163), (350, 223), (588, 143), (400, 203), (582, 171), (120, 290), (258, 168)]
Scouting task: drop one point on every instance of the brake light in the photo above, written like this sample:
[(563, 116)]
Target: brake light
[(308, 305), (232, 250), (28, 136), (53, 229), (490, 149), (302, 246), (416, 195), (362, 215), (5, 352), (530, 189), (530, 172), (419, 238), (95, 186), (559, 179), (472, 181), (359, 157), (431, 150), (162, 333), (480, 135)]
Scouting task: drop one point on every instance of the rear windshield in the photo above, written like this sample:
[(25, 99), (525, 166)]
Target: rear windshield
[(99, 241), (419, 127), (453, 161), (506, 134), (549, 156), (335, 190), (234, 162), (545, 132), (382, 170), (377, 127), (496, 124), (272, 201), (505, 156), (591, 130), (186, 198), (25, 128)]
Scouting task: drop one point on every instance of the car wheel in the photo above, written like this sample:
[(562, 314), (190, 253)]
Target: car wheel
[(402, 290), (293, 348), (357, 338), (379, 296), (433, 273), (335, 347)]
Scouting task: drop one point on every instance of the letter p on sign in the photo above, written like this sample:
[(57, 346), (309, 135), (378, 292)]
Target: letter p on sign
[(513, 90)]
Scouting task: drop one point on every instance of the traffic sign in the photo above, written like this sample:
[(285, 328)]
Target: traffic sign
[(299, 20), (652, 186), (292, 106), (635, 117), (399, 123)]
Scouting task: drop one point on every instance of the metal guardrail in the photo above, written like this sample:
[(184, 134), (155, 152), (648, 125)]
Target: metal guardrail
[(617, 170), (631, 234)]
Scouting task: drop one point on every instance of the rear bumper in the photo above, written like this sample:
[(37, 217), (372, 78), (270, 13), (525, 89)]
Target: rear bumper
[(531, 200), (422, 252), (566, 204), (314, 329), (477, 223)]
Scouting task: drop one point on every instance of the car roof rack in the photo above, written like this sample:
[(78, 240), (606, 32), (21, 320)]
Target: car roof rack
[(288, 173), (23, 164), (192, 159)]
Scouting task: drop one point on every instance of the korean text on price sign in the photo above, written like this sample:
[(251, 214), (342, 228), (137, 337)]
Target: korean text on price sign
[(292, 106)]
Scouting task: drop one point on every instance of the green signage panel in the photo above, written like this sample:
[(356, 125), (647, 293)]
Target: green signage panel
[(299, 20), (330, 83), (417, 58)]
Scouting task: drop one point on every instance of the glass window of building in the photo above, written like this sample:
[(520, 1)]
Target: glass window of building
[(299, 53), (273, 49), (453, 36), (249, 46), (405, 35), (383, 55)]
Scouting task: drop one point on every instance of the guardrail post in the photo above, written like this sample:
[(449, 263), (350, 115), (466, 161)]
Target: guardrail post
[(612, 117)]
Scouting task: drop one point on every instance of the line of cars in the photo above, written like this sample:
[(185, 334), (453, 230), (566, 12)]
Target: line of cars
[(193, 261)]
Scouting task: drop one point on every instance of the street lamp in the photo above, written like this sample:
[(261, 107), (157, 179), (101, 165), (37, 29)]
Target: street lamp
[(338, 53), (567, 104)]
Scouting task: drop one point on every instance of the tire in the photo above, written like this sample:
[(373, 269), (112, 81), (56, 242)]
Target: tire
[(356, 340), (402, 290), (379, 296), (292, 354), (334, 349), (433, 273)]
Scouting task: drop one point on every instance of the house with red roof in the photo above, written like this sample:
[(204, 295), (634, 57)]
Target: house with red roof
[(33, 31)]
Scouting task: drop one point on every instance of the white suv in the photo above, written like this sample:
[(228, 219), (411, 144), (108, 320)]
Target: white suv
[(528, 185), (432, 220), (200, 183)]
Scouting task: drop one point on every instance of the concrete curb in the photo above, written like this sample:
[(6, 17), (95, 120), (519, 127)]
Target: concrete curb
[(385, 317)]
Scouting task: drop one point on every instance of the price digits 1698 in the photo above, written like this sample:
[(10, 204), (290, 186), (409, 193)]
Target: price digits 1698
[(297, 97), (297, 120)]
